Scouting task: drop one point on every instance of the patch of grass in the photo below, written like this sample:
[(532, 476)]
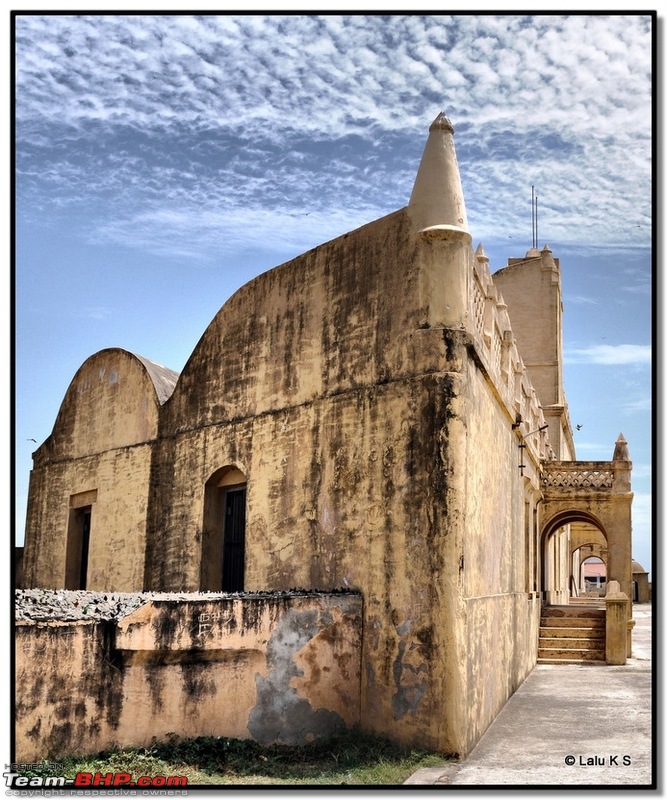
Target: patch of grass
[(351, 758)]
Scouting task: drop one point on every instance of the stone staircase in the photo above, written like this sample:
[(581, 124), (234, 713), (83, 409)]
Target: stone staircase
[(572, 634)]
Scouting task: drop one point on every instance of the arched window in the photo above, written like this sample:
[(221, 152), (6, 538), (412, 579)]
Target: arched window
[(223, 535)]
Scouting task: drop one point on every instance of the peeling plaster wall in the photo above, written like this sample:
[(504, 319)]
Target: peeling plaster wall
[(353, 388), (118, 480), (338, 496), (501, 611), (278, 669), (330, 383)]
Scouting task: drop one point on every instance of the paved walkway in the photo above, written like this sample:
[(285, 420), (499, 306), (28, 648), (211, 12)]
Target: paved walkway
[(567, 725)]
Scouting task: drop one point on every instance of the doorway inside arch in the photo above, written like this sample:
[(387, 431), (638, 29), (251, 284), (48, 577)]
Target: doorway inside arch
[(571, 546), (223, 533), (593, 577), (233, 539)]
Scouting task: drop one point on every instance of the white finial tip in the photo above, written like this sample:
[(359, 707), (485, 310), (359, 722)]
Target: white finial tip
[(441, 123)]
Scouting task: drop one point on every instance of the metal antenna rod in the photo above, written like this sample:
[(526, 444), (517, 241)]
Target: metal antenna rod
[(532, 213), (536, 238)]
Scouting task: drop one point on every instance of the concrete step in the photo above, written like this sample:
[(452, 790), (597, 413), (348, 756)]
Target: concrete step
[(588, 663), (590, 623), (572, 634), (572, 654), (566, 643), (582, 632), (589, 599), (591, 612)]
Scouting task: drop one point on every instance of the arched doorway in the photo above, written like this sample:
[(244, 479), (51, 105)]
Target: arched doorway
[(568, 538), (223, 531), (593, 493), (588, 503)]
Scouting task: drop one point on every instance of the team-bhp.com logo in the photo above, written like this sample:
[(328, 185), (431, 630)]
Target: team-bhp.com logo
[(94, 779)]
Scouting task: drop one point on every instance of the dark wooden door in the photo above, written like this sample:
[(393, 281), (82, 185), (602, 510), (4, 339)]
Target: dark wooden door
[(85, 547), (233, 555)]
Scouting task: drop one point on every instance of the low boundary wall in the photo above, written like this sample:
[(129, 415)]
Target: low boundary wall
[(279, 668)]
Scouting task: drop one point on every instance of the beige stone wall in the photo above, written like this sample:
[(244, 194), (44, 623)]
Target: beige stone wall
[(343, 439), (500, 609), (338, 317), (110, 403), (115, 485), (337, 496), (98, 456), (274, 669), (361, 446), (531, 289)]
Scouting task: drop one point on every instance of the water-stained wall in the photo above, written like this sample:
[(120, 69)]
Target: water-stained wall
[(500, 600), (370, 403), (274, 668), (353, 390), (98, 458), (331, 384)]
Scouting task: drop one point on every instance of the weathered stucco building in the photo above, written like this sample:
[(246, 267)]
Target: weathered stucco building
[(380, 413)]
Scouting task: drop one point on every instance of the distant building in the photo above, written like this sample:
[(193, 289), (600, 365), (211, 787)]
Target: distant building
[(641, 588), (379, 413), (595, 575)]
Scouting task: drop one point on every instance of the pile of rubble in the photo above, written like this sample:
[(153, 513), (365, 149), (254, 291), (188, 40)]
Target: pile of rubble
[(67, 605)]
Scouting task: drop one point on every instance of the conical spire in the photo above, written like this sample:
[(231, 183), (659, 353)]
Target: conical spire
[(437, 196), (480, 254), (621, 452)]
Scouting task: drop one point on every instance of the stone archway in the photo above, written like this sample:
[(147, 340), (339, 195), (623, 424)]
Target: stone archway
[(586, 541), (568, 537), (592, 493)]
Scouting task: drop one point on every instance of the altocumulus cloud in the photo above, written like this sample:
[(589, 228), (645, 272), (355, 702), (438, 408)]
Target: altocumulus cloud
[(171, 112), (618, 354)]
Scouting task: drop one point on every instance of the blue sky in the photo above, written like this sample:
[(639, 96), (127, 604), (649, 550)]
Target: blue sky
[(164, 160)]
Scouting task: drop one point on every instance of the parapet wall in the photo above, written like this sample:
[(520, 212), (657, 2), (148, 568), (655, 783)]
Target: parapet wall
[(275, 667)]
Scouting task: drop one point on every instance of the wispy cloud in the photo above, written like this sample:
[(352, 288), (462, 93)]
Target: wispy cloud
[(608, 354), (94, 312), (641, 471), (592, 447), (638, 405), (642, 509)]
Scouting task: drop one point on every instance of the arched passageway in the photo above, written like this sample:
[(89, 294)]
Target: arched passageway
[(586, 502), (587, 510), (569, 538)]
